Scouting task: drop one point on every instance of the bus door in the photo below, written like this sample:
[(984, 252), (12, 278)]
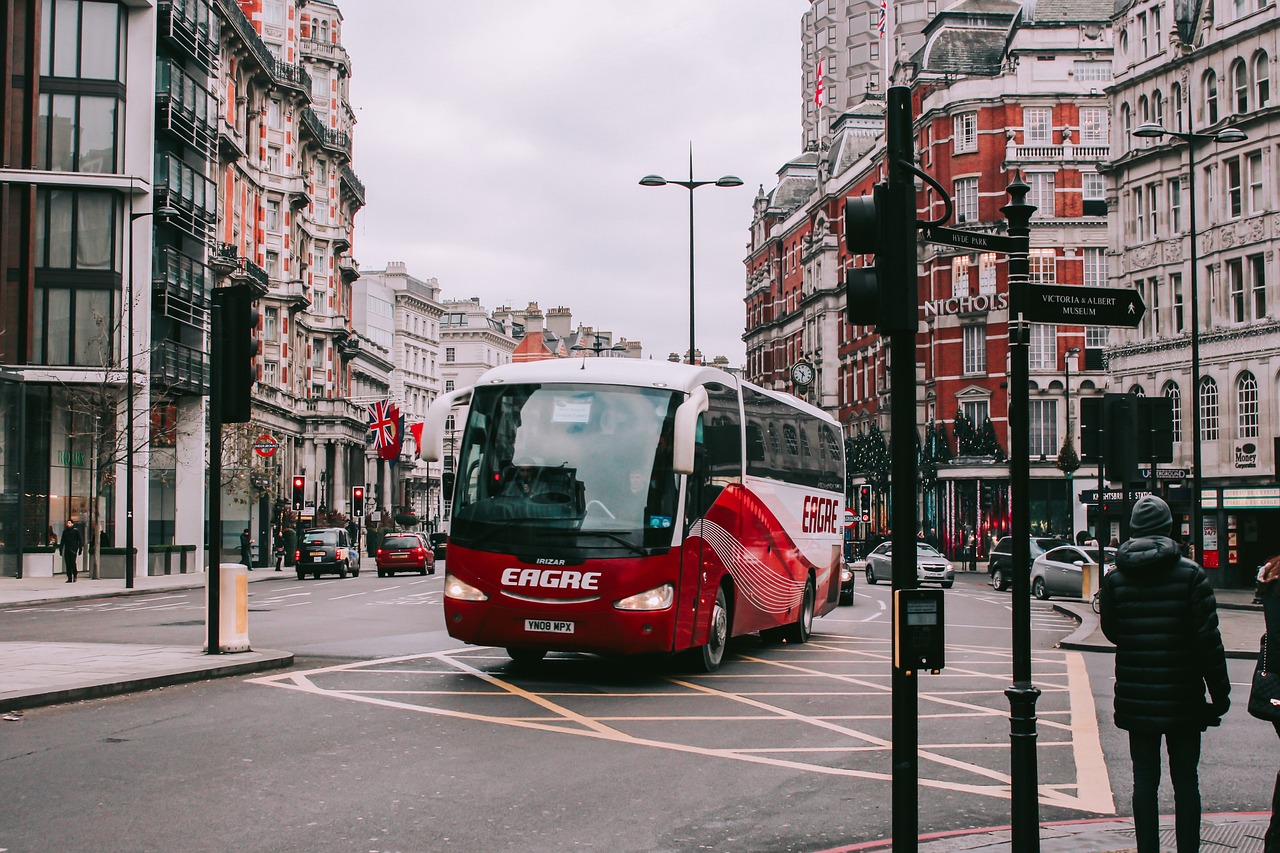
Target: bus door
[(717, 463)]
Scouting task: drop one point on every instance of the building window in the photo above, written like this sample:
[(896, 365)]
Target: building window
[(1256, 178), (1037, 126), (1093, 186), (960, 276), (78, 133), (82, 40), (975, 349), (1235, 289), (1246, 406), (977, 411), (1095, 267), (987, 272), (271, 214), (1153, 205), (1240, 87), (271, 324), (317, 353), (1210, 88), (1094, 127), (271, 373), (964, 129), (1042, 266), (1208, 409), (1042, 427), (1261, 78), (1258, 285), (449, 355), (448, 385), (1235, 197), (1175, 289), (966, 200), (1042, 194), (1097, 337), (1043, 353), (1175, 97), (1174, 192), (273, 12), (1144, 45), (1174, 396), (273, 159), (1137, 201), (1090, 71)]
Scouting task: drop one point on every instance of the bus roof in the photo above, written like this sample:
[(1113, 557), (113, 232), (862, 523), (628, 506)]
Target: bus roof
[(631, 371)]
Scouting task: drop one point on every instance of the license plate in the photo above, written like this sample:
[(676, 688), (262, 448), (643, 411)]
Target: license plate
[(316, 559), (548, 626)]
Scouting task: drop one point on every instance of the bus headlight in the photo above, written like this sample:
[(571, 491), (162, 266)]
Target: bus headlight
[(658, 598), (461, 590)]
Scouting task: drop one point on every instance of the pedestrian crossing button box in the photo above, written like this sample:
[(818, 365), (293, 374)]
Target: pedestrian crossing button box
[(918, 641)]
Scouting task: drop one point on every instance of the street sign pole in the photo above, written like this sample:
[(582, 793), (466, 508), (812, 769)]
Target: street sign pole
[(1022, 694)]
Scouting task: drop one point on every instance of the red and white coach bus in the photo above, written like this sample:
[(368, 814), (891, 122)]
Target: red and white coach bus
[(621, 506)]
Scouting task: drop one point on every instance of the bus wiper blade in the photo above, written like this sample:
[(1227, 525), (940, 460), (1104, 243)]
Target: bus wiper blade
[(635, 549)]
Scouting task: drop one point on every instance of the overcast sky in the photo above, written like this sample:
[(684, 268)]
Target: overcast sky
[(501, 144)]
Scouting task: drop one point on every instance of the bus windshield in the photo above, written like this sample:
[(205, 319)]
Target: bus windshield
[(568, 469)]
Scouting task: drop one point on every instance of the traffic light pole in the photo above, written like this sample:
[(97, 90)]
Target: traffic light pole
[(214, 536), (901, 310), (1022, 694)]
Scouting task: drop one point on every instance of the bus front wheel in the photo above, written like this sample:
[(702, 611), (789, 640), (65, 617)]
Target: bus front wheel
[(712, 653), (801, 630)]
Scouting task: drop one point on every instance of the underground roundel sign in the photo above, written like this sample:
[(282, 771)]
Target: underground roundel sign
[(265, 446)]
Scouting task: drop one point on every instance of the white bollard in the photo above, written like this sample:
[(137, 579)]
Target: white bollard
[(233, 607)]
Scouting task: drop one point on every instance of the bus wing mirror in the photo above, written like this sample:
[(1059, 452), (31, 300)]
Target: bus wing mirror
[(686, 428), (433, 423)]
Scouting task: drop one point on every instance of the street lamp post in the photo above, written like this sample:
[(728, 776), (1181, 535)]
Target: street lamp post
[(1074, 352), (1151, 130), (690, 185)]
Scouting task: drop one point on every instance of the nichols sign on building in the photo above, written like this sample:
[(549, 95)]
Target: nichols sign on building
[(983, 302)]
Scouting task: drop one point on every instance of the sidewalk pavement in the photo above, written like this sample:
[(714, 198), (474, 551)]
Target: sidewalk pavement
[(35, 674)]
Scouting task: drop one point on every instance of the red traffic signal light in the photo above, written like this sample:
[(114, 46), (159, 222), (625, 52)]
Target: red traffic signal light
[(299, 492), (357, 501), (864, 503)]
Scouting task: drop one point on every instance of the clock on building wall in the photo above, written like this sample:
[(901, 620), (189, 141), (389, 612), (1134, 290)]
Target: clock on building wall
[(802, 373)]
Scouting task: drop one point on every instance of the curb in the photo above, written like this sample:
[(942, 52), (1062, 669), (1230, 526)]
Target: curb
[(198, 582), (263, 660)]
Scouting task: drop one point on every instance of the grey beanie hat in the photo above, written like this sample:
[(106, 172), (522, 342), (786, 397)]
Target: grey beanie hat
[(1150, 517)]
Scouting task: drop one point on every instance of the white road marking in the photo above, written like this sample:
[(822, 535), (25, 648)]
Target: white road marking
[(349, 595)]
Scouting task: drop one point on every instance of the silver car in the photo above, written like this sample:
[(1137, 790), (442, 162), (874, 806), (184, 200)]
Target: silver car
[(931, 566), (1060, 571)]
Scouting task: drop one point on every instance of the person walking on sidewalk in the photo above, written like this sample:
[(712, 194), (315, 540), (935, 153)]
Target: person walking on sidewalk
[(71, 546), (1159, 610), (246, 549), (1269, 593)]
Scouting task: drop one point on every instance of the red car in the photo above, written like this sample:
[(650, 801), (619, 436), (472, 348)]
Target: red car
[(405, 552)]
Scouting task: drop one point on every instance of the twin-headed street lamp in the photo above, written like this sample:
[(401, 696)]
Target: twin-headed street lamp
[(690, 185), (1151, 130)]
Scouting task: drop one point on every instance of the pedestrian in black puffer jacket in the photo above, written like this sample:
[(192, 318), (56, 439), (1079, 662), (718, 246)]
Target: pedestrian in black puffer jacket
[(1159, 610)]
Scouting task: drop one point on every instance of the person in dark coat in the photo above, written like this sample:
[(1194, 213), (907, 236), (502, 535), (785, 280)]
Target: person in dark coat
[(1159, 610), (246, 549), (1269, 593), (71, 546)]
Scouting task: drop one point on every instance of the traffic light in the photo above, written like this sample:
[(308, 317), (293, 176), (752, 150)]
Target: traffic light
[(446, 485), (299, 492), (864, 503), (884, 224), (357, 501), (235, 348)]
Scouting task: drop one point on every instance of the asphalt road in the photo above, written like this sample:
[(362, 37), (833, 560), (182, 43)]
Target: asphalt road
[(390, 736)]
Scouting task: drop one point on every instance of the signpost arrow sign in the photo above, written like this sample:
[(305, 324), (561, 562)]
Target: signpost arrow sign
[(1084, 306), (975, 240)]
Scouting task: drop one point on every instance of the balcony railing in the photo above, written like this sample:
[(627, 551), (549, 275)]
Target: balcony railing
[(225, 260), (193, 27), (352, 184), (184, 106), (179, 369), (336, 140), (319, 49), (189, 192), (1051, 153), (184, 285), (292, 75), (244, 29), (312, 124)]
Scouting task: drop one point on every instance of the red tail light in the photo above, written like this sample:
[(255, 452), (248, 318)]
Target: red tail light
[(379, 552), (419, 552), (297, 556)]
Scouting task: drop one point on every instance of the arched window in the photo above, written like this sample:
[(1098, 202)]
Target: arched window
[(1261, 78), (1126, 124), (1210, 88), (1175, 396), (1208, 409), (1144, 110), (1246, 405), (1175, 98), (1157, 108), (1137, 391), (1240, 87)]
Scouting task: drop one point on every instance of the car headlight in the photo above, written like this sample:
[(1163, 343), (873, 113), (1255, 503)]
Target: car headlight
[(461, 590), (658, 598), (846, 574)]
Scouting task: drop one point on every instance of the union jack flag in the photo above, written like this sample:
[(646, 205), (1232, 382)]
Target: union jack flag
[(384, 420)]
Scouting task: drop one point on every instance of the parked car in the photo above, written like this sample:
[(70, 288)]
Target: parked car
[(1000, 560), (405, 552), (931, 566), (326, 550), (1060, 571), (438, 541), (849, 568)]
